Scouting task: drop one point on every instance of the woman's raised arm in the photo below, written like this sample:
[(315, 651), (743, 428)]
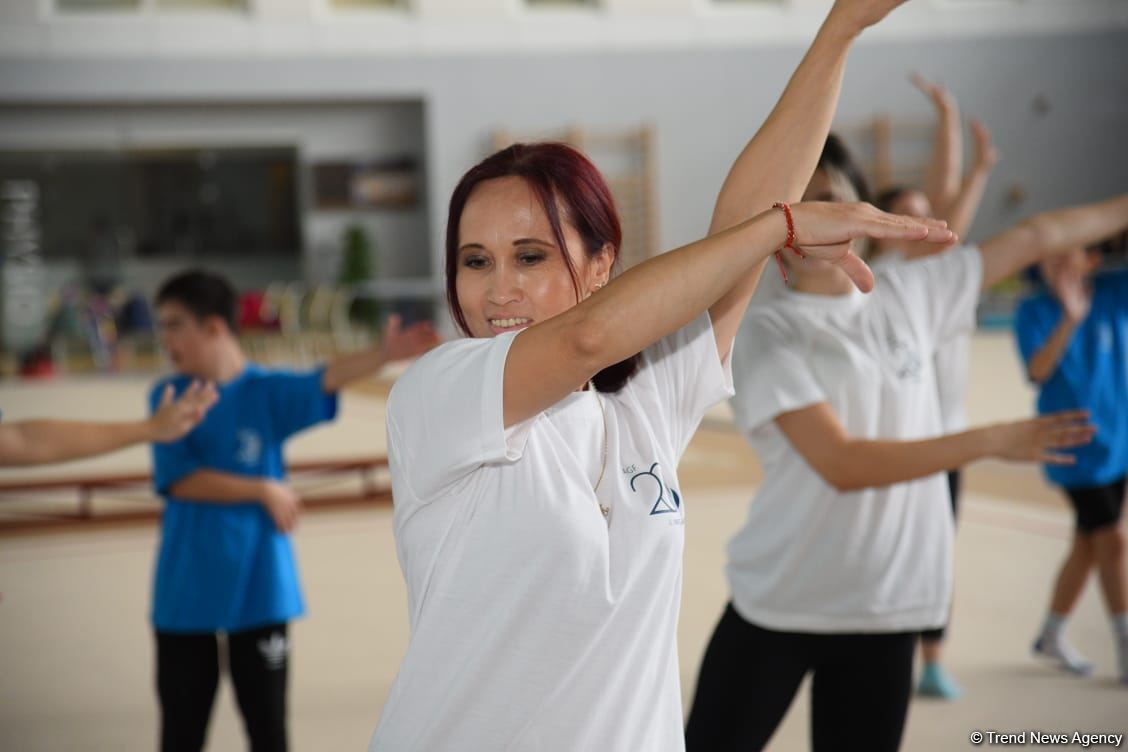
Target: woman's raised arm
[(778, 162)]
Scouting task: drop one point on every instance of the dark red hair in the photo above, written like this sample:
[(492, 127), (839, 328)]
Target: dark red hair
[(569, 188)]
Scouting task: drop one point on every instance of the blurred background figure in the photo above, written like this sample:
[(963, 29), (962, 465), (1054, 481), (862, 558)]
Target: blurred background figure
[(1073, 336)]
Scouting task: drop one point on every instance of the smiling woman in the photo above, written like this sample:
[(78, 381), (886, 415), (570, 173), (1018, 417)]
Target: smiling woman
[(510, 216)]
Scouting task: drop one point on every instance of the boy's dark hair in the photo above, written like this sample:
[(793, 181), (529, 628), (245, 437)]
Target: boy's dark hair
[(204, 294)]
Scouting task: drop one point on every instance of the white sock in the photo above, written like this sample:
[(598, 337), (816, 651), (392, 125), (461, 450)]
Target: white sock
[(1052, 644), (1120, 629)]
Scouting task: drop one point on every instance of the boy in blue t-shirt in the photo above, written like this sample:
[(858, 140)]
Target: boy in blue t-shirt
[(1074, 340), (225, 562)]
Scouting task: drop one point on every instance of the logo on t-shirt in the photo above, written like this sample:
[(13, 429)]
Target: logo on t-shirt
[(250, 447), (667, 500), (906, 362)]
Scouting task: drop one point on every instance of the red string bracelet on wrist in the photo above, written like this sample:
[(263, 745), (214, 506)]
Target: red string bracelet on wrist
[(790, 242)]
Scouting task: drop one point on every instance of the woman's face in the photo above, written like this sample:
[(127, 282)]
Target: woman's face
[(510, 272), (912, 203)]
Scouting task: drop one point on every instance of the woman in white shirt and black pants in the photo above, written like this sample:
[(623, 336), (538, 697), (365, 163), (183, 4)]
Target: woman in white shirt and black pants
[(846, 553), (538, 514)]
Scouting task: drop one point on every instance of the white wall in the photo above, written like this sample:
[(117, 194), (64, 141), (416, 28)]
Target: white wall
[(313, 27), (705, 92)]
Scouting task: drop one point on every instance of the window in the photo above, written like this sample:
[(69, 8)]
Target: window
[(97, 5), (366, 4), (188, 203), (562, 3)]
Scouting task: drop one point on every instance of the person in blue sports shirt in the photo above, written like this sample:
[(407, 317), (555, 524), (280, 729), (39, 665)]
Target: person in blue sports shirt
[(225, 563), (1073, 336)]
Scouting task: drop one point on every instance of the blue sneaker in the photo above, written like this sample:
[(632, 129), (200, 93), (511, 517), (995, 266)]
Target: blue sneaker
[(935, 682)]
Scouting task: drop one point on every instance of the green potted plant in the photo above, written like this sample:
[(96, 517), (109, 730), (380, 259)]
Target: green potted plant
[(359, 266)]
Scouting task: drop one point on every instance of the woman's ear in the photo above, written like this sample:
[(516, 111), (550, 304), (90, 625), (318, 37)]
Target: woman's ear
[(601, 264)]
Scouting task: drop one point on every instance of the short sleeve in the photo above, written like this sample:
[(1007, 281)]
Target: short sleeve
[(943, 290), (446, 415), (771, 374), (174, 460), (1031, 327), (689, 375), (298, 401)]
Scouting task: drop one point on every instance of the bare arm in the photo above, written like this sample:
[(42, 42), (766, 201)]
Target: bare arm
[(396, 343), (942, 178), (557, 356), (1074, 295), (1042, 366), (961, 212), (1052, 232), (851, 464), (35, 442), (220, 487), (778, 162), (280, 500)]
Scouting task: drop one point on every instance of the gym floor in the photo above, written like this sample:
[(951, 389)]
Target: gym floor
[(76, 651)]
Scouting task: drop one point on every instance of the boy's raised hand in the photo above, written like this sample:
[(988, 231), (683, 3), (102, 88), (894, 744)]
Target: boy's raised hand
[(398, 343), (175, 418)]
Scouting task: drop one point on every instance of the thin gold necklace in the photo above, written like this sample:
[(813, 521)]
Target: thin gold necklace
[(606, 511)]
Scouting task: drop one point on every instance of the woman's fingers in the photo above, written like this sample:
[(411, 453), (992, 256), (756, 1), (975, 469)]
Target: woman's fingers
[(896, 227), (1070, 437), (1067, 416), (1064, 430), (857, 270)]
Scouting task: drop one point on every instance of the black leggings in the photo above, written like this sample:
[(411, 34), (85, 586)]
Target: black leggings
[(859, 694), (937, 635), (188, 675)]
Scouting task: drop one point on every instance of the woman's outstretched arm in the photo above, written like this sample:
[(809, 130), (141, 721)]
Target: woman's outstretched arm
[(1051, 232), (555, 357), (852, 464), (942, 177), (961, 212)]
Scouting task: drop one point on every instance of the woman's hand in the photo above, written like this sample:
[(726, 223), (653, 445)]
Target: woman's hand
[(986, 153), (942, 99), (1041, 439), (825, 230), (856, 15)]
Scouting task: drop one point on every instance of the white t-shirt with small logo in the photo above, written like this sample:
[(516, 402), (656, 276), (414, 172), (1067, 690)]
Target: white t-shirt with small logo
[(536, 623), (810, 558)]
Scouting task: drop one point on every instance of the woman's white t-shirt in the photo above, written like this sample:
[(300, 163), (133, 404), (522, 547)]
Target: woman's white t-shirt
[(811, 558), (536, 624)]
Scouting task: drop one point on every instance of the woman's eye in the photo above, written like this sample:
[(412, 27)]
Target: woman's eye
[(474, 262), (531, 258)]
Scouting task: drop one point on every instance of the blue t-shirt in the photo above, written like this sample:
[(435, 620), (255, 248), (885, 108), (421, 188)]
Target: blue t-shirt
[(1092, 375), (221, 566)]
